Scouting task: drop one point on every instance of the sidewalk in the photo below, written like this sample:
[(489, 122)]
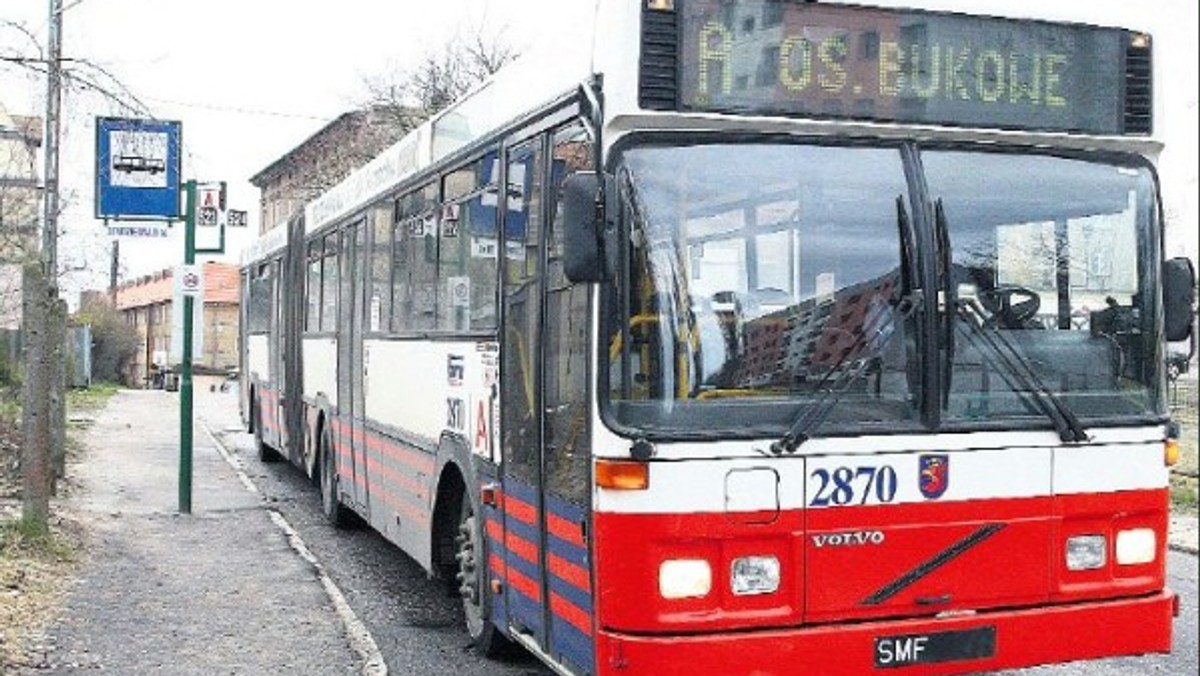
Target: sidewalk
[(1184, 532), (219, 591)]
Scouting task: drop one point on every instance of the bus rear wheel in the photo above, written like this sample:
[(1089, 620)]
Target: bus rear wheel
[(471, 577), (331, 504)]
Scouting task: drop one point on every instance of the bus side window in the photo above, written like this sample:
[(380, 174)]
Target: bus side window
[(312, 319), (260, 299), (467, 247), (414, 260), (379, 301), (329, 285)]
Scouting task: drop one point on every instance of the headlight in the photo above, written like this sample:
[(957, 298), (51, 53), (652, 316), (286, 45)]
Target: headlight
[(1137, 545), (1086, 552), (684, 578), (755, 575)]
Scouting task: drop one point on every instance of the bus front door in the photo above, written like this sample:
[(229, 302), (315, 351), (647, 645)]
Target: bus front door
[(521, 402), (546, 453), (350, 431)]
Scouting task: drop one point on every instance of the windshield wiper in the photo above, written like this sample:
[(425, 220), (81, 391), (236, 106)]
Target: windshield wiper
[(1013, 366), (910, 299), (877, 331), (1020, 376), (949, 299)]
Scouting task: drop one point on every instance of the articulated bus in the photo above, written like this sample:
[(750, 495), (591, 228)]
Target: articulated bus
[(754, 337)]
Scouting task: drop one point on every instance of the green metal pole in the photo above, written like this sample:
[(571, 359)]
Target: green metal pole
[(185, 384)]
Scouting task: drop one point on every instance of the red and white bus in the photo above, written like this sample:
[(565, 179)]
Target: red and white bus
[(755, 337)]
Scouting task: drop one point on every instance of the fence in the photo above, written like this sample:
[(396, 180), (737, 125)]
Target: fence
[(78, 355), (1181, 393)]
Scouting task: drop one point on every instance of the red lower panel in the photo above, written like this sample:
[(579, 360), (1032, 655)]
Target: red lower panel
[(867, 563), (1108, 514), (1022, 638), (630, 548)]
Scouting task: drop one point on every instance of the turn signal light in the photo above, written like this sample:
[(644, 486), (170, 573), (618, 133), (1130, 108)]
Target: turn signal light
[(1171, 452), (622, 475)]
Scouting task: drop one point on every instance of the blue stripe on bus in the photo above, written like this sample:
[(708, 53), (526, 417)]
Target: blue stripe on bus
[(568, 551), (529, 569), (582, 598), (524, 531), (521, 490), (527, 612), (576, 647)]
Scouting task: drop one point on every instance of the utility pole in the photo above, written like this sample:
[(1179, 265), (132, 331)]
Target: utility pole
[(45, 379), (50, 145), (114, 268), (57, 318)]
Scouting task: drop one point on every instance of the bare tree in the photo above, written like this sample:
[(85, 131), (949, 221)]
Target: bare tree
[(411, 96), (43, 318), (395, 102)]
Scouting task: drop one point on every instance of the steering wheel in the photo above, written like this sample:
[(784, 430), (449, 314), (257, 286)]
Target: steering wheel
[(1012, 306)]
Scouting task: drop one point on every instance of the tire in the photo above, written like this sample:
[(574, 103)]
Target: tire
[(265, 452), (470, 558), (337, 514)]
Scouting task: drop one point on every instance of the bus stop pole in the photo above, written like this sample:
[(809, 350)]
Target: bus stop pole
[(185, 384)]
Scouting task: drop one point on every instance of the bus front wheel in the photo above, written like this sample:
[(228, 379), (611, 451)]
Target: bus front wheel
[(471, 578)]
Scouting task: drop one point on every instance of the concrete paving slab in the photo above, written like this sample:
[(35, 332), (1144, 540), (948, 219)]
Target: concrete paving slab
[(219, 591)]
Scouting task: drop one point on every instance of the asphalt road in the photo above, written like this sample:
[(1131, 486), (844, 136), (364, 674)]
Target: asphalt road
[(1181, 576), (418, 626)]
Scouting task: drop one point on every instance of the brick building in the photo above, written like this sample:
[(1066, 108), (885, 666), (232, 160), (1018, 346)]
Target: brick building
[(20, 196), (325, 158), (146, 304)]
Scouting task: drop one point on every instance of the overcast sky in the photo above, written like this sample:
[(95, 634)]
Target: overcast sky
[(250, 79)]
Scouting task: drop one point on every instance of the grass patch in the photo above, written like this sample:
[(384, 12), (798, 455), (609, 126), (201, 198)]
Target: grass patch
[(1184, 494), (92, 398), (1184, 475), (10, 406), (35, 568), (18, 539)]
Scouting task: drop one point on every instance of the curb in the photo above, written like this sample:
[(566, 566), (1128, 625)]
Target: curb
[(357, 634)]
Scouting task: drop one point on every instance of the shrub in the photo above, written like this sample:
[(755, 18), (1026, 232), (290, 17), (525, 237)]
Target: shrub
[(114, 343)]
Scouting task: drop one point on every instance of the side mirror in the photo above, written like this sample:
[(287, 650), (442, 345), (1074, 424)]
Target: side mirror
[(582, 218), (1179, 295)]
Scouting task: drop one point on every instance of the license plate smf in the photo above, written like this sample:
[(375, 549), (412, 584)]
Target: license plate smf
[(931, 648)]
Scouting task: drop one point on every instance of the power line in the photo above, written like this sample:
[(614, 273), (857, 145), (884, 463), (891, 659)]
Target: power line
[(241, 111)]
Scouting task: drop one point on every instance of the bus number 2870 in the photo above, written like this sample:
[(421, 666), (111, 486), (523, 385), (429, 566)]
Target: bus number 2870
[(853, 485)]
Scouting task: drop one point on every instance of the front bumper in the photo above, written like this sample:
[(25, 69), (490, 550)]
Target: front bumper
[(1023, 638)]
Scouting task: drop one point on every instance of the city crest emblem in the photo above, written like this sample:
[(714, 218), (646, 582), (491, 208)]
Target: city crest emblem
[(934, 475)]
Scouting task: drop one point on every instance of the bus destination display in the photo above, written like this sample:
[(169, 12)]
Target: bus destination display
[(820, 60)]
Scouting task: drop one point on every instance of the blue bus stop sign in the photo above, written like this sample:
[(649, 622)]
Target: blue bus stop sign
[(137, 169)]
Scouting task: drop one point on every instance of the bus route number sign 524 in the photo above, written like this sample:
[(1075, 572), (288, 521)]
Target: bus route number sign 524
[(859, 485)]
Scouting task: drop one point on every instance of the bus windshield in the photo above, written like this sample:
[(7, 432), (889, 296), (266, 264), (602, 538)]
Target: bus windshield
[(1048, 262), (769, 282)]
